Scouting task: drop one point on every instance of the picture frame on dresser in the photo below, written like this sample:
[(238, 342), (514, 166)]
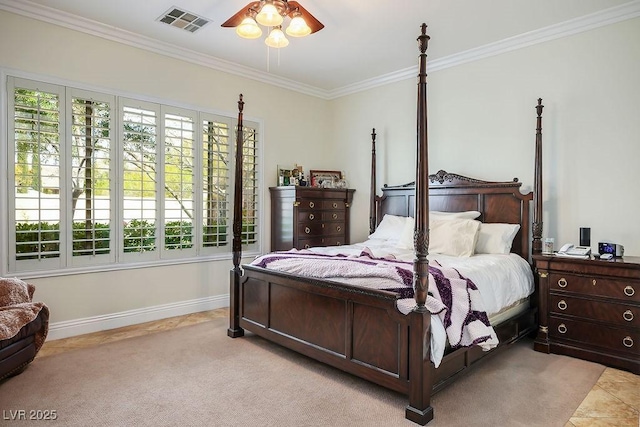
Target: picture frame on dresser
[(317, 177)]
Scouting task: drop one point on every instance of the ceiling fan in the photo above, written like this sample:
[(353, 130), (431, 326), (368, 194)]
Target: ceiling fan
[(271, 13)]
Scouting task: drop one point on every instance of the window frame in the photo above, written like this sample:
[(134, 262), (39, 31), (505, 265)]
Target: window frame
[(66, 263)]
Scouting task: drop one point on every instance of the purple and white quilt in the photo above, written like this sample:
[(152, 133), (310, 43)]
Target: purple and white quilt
[(454, 299)]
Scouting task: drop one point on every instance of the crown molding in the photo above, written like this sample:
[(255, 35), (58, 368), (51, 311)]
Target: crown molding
[(578, 25), (563, 29)]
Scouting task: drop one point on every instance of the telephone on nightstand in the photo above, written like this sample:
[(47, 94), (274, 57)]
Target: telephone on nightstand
[(574, 251)]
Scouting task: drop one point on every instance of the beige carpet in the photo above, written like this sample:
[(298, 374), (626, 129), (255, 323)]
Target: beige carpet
[(197, 376)]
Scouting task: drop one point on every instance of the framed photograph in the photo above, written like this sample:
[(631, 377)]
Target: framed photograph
[(318, 177)]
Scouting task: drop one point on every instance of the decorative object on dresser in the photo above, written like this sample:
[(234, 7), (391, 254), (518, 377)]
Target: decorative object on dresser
[(324, 179), (590, 309), (302, 217)]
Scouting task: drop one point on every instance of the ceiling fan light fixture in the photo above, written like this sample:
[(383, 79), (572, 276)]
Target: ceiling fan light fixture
[(269, 16), (298, 27), (276, 38), (248, 29)]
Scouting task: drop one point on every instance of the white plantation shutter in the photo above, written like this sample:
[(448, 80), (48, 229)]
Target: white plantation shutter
[(216, 224), (250, 188), (178, 181), (140, 186), (91, 203), (35, 193)]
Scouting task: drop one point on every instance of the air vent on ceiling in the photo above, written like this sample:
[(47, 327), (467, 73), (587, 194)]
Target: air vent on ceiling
[(185, 20)]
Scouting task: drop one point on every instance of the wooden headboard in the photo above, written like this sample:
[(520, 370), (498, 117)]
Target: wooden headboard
[(500, 202)]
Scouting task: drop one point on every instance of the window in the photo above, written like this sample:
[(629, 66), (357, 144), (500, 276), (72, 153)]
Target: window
[(99, 179), (215, 183)]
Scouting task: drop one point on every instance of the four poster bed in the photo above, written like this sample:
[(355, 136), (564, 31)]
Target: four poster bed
[(363, 330)]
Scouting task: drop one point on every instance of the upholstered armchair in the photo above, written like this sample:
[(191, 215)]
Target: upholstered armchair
[(23, 326)]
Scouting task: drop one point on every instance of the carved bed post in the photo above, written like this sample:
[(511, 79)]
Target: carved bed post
[(421, 231), (419, 409), (235, 330), (373, 211), (537, 185)]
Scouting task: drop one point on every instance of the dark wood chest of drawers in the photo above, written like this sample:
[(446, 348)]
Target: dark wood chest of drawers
[(302, 217), (590, 309)]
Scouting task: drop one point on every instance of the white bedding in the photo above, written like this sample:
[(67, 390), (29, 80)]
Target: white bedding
[(501, 279)]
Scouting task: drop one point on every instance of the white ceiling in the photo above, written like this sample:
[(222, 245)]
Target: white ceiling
[(362, 41)]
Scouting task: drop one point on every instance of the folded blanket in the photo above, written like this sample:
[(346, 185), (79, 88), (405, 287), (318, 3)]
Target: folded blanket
[(17, 310), (452, 297)]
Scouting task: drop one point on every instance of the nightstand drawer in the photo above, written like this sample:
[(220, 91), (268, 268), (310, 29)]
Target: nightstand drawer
[(597, 286), (619, 314), (605, 337)]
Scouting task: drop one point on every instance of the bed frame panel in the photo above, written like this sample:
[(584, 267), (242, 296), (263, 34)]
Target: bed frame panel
[(360, 330)]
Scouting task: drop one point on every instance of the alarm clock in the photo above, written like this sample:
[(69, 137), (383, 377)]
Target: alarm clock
[(611, 248)]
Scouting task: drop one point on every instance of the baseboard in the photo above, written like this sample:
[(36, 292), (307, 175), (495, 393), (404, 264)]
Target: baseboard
[(71, 328)]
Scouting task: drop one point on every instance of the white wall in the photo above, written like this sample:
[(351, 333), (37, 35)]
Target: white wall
[(295, 130), (482, 124)]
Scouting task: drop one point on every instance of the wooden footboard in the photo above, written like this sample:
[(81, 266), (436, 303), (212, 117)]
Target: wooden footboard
[(354, 329), (359, 331)]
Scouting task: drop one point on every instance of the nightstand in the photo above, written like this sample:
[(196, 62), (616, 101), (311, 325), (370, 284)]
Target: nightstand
[(590, 309)]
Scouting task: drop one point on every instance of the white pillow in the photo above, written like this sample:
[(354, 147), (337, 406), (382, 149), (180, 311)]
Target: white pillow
[(405, 240), (406, 237), (455, 237), (495, 238), (452, 236), (390, 227)]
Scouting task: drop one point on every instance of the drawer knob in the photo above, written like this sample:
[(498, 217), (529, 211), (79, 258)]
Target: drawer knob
[(307, 230), (334, 216), (562, 305), (629, 291), (562, 282), (562, 328), (335, 205), (627, 341), (338, 228), (594, 282), (627, 315), (311, 216), (307, 246), (312, 205), (338, 243)]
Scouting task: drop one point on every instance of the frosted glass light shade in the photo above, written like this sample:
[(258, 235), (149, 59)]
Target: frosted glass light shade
[(298, 27), (276, 39), (248, 29), (269, 16)]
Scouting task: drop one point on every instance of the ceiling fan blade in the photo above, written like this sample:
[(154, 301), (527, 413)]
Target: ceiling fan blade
[(236, 19), (311, 20)]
